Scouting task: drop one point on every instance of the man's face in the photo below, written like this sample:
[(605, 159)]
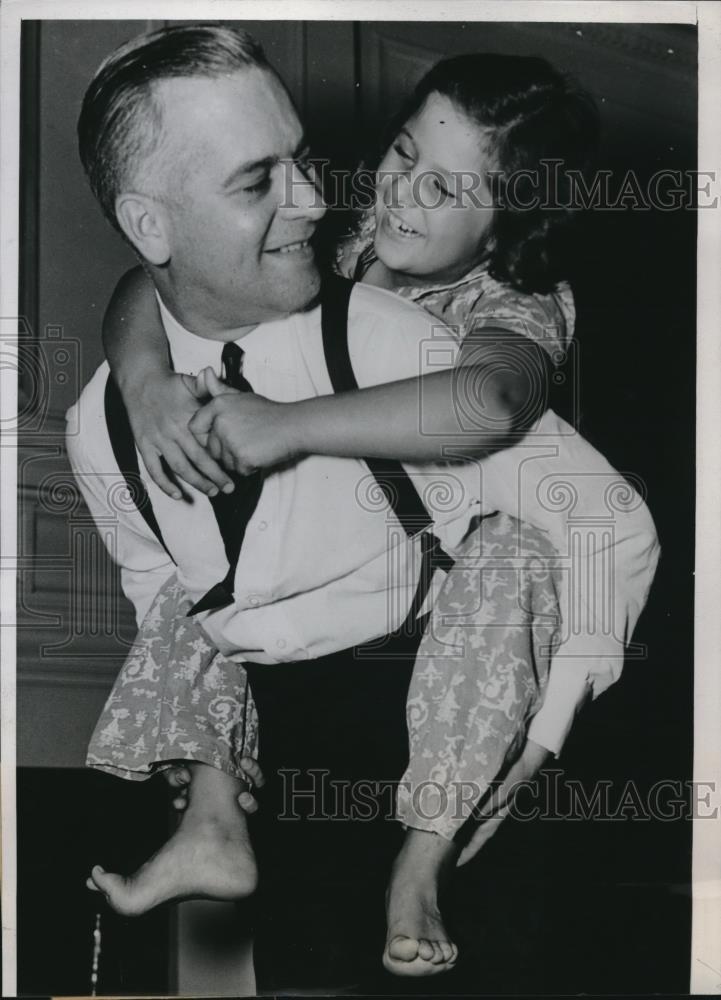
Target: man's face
[(239, 209)]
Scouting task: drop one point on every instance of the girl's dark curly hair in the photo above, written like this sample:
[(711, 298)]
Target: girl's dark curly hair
[(529, 114)]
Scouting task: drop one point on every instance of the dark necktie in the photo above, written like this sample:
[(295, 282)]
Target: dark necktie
[(232, 511)]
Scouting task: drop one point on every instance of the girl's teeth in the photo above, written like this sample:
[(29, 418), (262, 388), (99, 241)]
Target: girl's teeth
[(401, 227)]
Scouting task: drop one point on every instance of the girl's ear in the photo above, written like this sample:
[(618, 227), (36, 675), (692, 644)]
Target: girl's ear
[(143, 222)]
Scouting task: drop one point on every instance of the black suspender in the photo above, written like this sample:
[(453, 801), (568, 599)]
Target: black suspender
[(123, 445), (392, 478)]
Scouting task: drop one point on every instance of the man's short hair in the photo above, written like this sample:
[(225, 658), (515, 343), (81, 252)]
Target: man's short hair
[(120, 125)]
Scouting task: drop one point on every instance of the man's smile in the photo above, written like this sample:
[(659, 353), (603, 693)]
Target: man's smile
[(296, 247)]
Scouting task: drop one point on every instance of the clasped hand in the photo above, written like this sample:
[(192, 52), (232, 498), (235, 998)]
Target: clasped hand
[(243, 432), (236, 432)]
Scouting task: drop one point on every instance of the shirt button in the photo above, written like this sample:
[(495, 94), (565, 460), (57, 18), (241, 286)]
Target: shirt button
[(262, 526), (281, 643), (254, 601)]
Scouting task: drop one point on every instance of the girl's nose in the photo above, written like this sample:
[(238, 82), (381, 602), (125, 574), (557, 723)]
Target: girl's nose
[(401, 190)]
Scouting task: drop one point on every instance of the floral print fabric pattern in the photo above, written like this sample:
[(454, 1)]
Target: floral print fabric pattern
[(481, 671), (175, 698), (480, 676)]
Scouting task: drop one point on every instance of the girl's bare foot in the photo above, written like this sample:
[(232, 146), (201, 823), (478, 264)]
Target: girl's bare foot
[(417, 943), (209, 856)]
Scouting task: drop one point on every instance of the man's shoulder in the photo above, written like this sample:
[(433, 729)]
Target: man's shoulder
[(391, 339), (93, 395), (85, 420), (369, 302), (380, 320)]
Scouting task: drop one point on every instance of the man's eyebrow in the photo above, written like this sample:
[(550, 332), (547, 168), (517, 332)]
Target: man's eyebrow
[(264, 163), (249, 167)]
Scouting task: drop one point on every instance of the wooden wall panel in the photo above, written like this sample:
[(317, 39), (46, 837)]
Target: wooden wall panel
[(73, 625), (643, 76)]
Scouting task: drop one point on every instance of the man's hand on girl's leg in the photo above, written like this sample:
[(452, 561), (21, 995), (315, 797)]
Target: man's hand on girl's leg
[(209, 856), (521, 772), (179, 776)]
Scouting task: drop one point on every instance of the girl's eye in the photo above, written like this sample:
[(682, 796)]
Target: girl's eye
[(397, 148), (440, 186)]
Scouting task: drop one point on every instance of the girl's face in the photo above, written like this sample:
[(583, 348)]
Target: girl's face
[(433, 203)]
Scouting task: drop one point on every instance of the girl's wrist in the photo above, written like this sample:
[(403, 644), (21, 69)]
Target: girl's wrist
[(138, 380), (297, 428)]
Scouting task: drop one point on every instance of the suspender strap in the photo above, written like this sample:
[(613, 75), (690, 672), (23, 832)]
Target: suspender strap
[(392, 478), (335, 298), (123, 445), (232, 514)]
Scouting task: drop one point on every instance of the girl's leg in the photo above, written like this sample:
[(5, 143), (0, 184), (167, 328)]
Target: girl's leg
[(208, 857), (479, 677), (177, 700)]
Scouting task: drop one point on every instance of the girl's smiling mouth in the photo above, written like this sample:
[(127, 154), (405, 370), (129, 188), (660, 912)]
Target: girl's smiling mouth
[(396, 226)]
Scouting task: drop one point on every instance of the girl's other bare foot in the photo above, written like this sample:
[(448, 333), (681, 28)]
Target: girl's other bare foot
[(417, 943)]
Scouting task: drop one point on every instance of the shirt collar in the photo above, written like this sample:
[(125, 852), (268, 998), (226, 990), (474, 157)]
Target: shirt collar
[(191, 353)]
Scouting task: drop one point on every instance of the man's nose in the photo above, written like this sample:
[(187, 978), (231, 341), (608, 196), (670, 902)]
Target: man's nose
[(302, 195)]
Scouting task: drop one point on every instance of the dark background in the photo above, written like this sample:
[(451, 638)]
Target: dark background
[(550, 907)]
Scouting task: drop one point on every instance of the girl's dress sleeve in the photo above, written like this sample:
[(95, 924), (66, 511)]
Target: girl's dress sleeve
[(548, 320)]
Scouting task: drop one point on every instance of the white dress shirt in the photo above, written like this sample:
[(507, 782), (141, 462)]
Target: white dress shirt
[(324, 563)]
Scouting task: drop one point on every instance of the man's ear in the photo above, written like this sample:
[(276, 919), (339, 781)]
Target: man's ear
[(142, 220)]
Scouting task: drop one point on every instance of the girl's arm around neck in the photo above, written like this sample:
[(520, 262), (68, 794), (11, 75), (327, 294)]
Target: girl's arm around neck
[(133, 336), (482, 405), (158, 402)]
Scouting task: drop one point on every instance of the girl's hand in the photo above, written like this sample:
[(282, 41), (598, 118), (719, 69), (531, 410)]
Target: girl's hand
[(241, 430), (160, 408), (523, 772)]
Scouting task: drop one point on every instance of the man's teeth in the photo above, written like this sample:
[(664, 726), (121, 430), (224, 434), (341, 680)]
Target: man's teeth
[(400, 227), (292, 247)]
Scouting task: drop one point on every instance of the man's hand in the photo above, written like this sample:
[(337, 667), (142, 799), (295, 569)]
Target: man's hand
[(524, 770), (159, 409), (179, 778), (243, 431)]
